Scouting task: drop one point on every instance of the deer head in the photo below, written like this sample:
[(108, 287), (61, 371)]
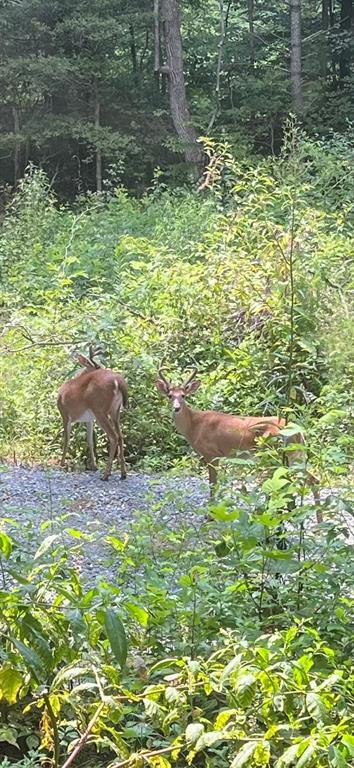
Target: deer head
[(177, 393)]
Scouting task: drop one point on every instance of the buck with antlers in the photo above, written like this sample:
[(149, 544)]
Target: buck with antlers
[(96, 394), (213, 434)]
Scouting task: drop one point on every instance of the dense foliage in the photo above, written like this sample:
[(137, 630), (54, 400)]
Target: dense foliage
[(202, 279), (225, 643), (77, 78)]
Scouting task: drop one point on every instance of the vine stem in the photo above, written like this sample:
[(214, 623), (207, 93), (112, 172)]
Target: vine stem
[(83, 738)]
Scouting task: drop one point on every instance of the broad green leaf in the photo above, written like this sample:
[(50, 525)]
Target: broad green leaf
[(193, 732), (336, 759), (307, 755), (223, 718), (5, 544), (45, 546), (10, 683), (230, 667), (209, 738), (116, 635), (348, 741), (223, 513), (70, 673), (30, 657), (315, 707), (288, 757), (244, 755), (139, 613), (9, 735)]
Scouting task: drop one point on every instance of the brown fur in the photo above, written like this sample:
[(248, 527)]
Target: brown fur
[(96, 394), (213, 434)]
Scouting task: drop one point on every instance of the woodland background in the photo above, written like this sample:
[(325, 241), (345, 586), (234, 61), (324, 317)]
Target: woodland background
[(221, 644), (93, 91)]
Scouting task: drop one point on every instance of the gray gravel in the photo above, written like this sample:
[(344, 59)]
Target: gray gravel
[(37, 502)]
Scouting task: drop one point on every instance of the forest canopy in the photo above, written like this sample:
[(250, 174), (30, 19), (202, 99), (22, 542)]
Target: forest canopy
[(91, 90)]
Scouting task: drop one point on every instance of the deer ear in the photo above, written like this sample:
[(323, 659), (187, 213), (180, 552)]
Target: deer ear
[(86, 362), (192, 387), (161, 386)]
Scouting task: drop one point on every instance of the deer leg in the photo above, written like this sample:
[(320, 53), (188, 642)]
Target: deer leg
[(67, 431), (212, 465), (123, 469), (89, 427), (107, 427)]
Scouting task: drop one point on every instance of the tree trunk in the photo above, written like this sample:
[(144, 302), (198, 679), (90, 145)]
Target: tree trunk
[(98, 151), (133, 55), (346, 16), (251, 31), (17, 147), (325, 27), (177, 89), (157, 44), (295, 56)]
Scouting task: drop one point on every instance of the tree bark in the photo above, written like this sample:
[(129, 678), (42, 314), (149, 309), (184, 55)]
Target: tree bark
[(251, 31), (17, 148), (325, 27), (346, 18), (177, 89), (133, 55), (98, 151), (295, 55), (157, 43)]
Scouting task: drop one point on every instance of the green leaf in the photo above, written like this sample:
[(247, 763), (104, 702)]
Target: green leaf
[(209, 738), (348, 741), (244, 755), (315, 707), (307, 755), (9, 735), (223, 718), (139, 613), (5, 544), (116, 636), (69, 673), (194, 732), (288, 757), (336, 759), (223, 513), (45, 546), (10, 683), (31, 657)]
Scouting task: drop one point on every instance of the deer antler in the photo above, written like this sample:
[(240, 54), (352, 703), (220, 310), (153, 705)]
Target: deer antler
[(191, 377), (161, 374), (93, 351)]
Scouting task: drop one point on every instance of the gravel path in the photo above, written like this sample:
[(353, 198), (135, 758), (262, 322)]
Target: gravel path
[(37, 502)]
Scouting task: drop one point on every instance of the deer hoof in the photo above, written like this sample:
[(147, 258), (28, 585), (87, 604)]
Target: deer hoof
[(105, 477), (123, 476)]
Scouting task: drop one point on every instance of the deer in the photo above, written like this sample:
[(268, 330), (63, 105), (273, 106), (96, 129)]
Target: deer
[(95, 394), (214, 434)]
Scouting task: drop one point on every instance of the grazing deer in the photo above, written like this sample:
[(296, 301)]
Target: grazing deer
[(96, 394), (213, 434)]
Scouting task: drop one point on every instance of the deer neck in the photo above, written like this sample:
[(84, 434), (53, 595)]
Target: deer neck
[(184, 420)]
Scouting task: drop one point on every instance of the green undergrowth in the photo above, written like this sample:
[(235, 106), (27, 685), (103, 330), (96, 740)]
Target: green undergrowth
[(193, 278), (217, 643)]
